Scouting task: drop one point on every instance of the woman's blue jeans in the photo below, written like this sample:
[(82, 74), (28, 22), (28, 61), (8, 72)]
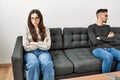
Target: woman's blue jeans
[(107, 55), (39, 62)]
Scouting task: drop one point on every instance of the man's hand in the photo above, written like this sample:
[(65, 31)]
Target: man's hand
[(46, 39), (111, 34), (34, 43), (98, 38)]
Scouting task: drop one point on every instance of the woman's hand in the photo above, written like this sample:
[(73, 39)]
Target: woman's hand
[(34, 43), (46, 39)]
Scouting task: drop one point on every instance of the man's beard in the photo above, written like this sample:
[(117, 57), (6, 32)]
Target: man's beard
[(105, 21)]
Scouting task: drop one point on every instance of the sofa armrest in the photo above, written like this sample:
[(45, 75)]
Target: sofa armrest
[(17, 60)]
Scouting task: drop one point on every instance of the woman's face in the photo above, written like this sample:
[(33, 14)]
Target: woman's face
[(35, 19)]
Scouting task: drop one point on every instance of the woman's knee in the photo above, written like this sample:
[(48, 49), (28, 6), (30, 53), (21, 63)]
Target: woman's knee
[(44, 57), (31, 60), (32, 65), (30, 57)]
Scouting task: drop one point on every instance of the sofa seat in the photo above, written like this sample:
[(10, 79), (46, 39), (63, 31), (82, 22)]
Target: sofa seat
[(62, 65), (83, 60)]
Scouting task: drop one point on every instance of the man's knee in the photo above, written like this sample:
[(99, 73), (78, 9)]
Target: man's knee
[(108, 58)]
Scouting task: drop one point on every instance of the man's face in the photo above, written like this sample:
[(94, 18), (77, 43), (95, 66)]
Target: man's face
[(103, 16)]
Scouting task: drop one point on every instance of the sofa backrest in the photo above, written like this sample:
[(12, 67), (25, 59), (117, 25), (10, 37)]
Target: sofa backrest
[(116, 30), (75, 37), (56, 38)]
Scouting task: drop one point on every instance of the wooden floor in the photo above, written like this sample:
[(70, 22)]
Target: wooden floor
[(6, 72)]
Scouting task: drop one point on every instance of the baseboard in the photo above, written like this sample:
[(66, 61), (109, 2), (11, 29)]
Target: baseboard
[(5, 65)]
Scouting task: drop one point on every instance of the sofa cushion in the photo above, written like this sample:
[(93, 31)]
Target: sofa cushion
[(56, 38), (75, 37), (83, 60), (61, 63)]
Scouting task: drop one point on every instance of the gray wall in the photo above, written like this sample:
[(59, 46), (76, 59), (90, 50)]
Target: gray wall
[(56, 13)]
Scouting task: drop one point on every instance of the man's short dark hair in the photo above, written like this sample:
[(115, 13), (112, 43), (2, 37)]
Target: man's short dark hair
[(101, 10)]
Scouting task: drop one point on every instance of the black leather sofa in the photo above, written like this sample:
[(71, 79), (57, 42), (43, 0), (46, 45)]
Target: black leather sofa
[(70, 51)]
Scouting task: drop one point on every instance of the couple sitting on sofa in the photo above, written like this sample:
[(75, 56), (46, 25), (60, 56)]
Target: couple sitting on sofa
[(37, 42)]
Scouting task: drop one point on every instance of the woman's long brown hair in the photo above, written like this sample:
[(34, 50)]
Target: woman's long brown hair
[(41, 26)]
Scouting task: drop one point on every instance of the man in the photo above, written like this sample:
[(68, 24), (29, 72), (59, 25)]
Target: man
[(100, 36)]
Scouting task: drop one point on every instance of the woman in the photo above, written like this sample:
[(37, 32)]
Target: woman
[(36, 42)]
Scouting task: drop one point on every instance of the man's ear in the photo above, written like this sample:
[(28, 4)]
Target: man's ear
[(99, 15)]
